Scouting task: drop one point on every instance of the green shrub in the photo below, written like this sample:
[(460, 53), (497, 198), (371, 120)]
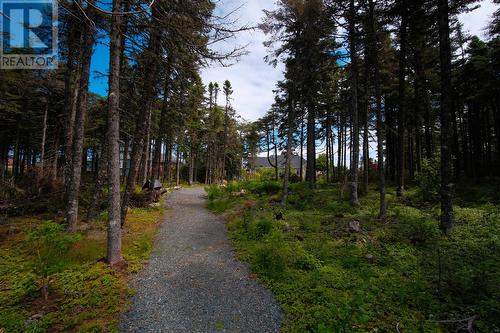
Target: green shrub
[(234, 186), (259, 229), (93, 289), (12, 319), (272, 256), (294, 178), (301, 197), (268, 187), (429, 179), (219, 205), (307, 262), (141, 248), (419, 230), (265, 174), (48, 243), (213, 192), (247, 218), (271, 262), (310, 224), (24, 288), (342, 207)]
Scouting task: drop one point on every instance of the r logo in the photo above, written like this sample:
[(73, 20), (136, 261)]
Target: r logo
[(28, 33)]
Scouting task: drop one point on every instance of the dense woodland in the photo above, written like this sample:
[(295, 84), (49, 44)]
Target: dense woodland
[(157, 117), (386, 102)]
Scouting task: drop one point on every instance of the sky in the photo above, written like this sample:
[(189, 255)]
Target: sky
[(253, 80)]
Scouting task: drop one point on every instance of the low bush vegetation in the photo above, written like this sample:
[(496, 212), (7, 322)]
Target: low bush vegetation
[(52, 281), (395, 275)]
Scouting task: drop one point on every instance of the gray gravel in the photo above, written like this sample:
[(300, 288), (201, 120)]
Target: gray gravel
[(193, 282)]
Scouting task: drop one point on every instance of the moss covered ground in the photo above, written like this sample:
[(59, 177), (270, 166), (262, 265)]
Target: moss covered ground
[(51, 281), (396, 275)]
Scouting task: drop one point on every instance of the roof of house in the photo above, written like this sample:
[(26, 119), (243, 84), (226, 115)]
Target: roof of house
[(262, 162)]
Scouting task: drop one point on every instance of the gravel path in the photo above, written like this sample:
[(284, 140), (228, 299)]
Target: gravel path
[(193, 282)]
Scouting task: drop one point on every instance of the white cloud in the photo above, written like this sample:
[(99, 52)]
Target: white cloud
[(476, 21), (253, 80)]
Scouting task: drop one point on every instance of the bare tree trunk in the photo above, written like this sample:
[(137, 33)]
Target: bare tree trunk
[(211, 141), (380, 125), (289, 138), (84, 160), (71, 92), (93, 166), (157, 158), (340, 143), (125, 158), (207, 166), (44, 137), (418, 146), (55, 150), (78, 137), (366, 151), (149, 173), (23, 160), (224, 141), (445, 116), (215, 164), (15, 157), (2, 159), (142, 122), (354, 100), (286, 177), (402, 100), (497, 133), (422, 102), (368, 63), (102, 167), (302, 146), (344, 150), (428, 133), (114, 242), (133, 171), (191, 165), (411, 156), (69, 135), (162, 127), (178, 167), (195, 176), (170, 158), (328, 153), (332, 150), (311, 145), (165, 163), (146, 149), (276, 166)]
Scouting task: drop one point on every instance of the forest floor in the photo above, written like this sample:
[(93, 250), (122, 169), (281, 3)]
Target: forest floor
[(51, 281), (396, 275), (193, 282)]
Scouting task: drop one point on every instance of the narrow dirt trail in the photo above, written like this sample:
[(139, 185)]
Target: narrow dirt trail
[(193, 282)]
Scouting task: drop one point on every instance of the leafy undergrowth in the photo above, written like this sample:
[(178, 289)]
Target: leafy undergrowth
[(395, 275), (51, 281)]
